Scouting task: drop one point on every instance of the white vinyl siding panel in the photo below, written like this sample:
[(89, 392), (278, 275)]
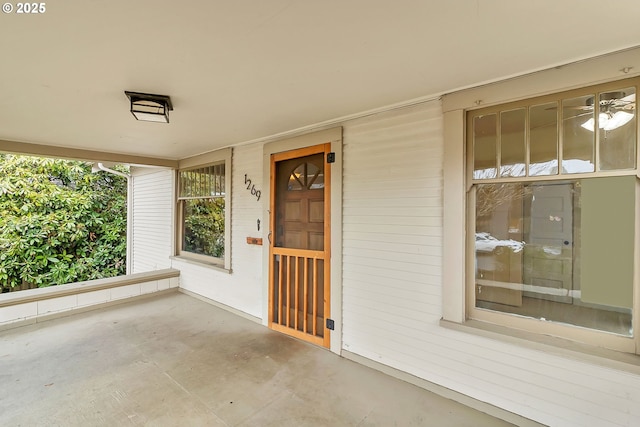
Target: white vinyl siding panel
[(152, 229), (392, 216), (392, 287)]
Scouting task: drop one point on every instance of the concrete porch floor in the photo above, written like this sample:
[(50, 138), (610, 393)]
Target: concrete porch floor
[(174, 360)]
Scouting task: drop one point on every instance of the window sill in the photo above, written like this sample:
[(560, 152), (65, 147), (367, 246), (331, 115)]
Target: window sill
[(200, 263), (550, 345)]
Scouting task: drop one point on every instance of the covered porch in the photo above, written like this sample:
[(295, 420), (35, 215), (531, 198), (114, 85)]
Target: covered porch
[(389, 91), (172, 359)]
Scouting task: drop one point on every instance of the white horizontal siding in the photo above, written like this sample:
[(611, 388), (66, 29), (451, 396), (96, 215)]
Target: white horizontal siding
[(392, 287), (242, 288), (392, 215), (152, 233)]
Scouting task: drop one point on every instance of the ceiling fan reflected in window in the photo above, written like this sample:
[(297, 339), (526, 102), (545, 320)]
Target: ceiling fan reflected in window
[(616, 110)]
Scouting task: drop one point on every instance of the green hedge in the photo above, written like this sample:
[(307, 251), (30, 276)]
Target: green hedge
[(59, 222)]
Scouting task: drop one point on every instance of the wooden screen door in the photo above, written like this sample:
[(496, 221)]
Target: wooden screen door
[(299, 245)]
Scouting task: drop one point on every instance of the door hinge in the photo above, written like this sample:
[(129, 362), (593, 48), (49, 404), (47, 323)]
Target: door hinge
[(330, 324), (331, 157)]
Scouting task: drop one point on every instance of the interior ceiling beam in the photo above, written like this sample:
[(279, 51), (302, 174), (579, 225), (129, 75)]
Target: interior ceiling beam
[(80, 154)]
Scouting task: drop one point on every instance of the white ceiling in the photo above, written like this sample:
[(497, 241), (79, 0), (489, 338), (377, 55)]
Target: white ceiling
[(241, 70)]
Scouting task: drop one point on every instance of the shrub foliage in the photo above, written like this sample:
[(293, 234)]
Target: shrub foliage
[(59, 222), (204, 227)]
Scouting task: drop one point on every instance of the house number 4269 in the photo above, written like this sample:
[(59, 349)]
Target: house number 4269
[(252, 187)]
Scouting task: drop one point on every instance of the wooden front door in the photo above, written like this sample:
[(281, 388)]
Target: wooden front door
[(299, 244)]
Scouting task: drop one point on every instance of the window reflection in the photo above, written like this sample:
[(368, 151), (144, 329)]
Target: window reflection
[(617, 129), (484, 146), (542, 251), (557, 137), (306, 176), (512, 143), (578, 149), (543, 139)]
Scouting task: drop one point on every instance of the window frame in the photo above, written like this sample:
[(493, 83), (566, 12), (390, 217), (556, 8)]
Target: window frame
[(558, 96), (220, 157), (474, 314)]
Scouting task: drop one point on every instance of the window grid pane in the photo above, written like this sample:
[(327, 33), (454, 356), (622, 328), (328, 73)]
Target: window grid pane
[(485, 146), (512, 143), (543, 139), (578, 143), (596, 131), (205, 182), (617, 129), (203, 226)]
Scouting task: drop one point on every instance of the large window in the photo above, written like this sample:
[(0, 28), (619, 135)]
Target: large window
[(554, 212), (203, 213)]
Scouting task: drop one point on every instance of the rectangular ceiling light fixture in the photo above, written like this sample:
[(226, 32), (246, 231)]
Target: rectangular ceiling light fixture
[(149, 107)]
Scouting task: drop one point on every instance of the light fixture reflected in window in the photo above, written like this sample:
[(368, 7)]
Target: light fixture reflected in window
[(616, 109), (608, 121), (149, 107)]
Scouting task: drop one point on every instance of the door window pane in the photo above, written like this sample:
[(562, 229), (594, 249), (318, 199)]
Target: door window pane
[(578, 142), (543, 139), (299, 203), (512, 143), (484, 146), (560, 252), (296, 179), (617, 127)]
